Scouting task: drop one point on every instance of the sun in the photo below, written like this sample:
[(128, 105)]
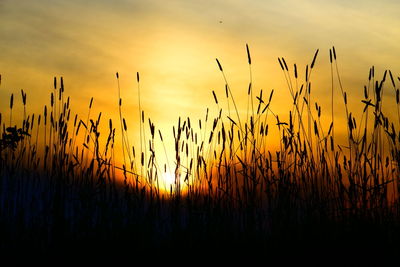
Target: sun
[(169, 180), (168, 183)]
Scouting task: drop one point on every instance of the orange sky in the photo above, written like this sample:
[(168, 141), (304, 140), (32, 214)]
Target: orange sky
[(173, 44)]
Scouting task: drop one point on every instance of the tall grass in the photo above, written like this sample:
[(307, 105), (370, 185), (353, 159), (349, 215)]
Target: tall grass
[(60, 184)]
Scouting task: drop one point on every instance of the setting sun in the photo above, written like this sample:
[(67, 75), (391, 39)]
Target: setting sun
[(168, 181)]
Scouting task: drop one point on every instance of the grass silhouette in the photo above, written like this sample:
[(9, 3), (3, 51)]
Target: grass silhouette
[(60, 196)]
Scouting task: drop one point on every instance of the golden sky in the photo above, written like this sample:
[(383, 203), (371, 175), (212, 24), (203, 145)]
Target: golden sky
[(173, 44)]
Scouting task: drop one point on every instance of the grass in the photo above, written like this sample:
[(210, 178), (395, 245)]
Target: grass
[(62, 192)]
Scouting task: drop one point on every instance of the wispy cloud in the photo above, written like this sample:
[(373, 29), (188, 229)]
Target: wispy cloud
[(174, 43)]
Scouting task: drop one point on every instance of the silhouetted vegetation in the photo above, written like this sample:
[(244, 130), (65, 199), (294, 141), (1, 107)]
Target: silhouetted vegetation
[(63, 194)]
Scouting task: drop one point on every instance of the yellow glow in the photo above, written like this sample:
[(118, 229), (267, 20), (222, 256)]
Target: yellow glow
[(169, 181), (173, 44)]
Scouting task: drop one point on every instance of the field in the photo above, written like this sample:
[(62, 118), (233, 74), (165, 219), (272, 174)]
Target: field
[(64, 195)]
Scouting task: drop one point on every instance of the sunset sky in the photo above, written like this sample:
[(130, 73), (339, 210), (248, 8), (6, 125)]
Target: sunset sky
[(173, 44)]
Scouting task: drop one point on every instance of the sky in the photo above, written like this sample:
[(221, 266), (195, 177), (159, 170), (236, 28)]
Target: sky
[(173, 45)]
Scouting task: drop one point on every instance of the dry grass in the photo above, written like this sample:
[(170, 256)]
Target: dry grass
[(60, 186)]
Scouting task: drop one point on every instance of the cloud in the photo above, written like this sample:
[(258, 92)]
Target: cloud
[(174, 43)]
